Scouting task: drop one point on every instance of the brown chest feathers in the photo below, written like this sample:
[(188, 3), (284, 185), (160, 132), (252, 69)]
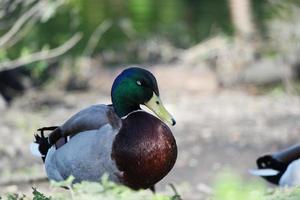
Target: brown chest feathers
[(144, 150)]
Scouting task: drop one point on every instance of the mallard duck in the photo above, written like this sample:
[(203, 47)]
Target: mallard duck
[(132, 146), (281, 168)]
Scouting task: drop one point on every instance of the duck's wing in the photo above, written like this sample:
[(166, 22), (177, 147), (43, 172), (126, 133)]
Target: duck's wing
[(91, 118)]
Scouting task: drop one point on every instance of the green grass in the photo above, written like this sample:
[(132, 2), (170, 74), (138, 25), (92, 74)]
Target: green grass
[(232, 187), (104, 190), (226, 187)]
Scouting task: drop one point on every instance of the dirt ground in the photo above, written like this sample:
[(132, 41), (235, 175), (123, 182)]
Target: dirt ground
[(216, 129)]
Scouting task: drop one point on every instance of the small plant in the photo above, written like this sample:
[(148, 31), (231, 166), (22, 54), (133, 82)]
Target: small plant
[(15, 197), (103, 190), (39, 196), (227, 187)]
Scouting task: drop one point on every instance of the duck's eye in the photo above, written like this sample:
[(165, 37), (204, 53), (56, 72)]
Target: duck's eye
[(157, 102), (139, 83)]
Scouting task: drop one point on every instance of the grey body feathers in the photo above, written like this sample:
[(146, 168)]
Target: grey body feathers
[(87, 155)]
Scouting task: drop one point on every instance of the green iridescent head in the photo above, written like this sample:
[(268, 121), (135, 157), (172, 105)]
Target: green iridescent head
[(134, 87)]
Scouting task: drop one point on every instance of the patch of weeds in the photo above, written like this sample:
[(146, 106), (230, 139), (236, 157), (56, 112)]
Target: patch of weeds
[(102, 190), (39, 196), (15, 197), (105, 190)]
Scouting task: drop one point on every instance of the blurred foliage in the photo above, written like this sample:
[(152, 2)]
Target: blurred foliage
[(284, 37), (285, 194), (106, 190), (182, 22), (268, 10), (228, 186), (137, 30), (231, 187)]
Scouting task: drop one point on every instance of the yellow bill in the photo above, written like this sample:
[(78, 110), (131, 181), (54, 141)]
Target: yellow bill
[(158, 108)]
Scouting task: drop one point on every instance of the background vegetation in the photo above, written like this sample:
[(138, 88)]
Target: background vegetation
[(183, 23), (38, 36)]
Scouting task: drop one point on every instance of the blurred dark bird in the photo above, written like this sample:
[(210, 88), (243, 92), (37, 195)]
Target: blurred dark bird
[(15, 82), (11, 84), (281, 168), (134, 147)]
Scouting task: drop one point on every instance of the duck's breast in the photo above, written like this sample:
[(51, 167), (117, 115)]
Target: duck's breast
[(144, 150), (87, 156)]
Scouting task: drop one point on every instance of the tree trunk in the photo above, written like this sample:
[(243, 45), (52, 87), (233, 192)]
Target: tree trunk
[(241, 14)]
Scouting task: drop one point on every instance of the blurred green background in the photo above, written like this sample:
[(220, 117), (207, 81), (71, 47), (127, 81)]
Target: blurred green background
[(183, 23), (118, 33)]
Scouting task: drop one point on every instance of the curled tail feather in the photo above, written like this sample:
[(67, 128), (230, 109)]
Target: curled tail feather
[(41, 144)]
